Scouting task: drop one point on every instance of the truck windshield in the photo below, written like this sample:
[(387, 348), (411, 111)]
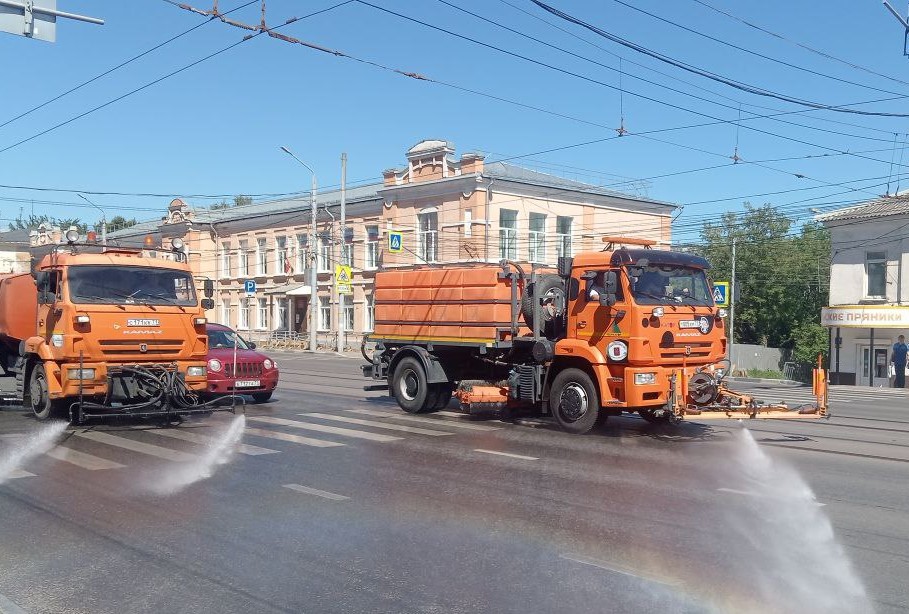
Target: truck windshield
[(127, 285), (667, 284)]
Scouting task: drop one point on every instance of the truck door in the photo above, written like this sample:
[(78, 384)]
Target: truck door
[(48, 285), (596, 323)]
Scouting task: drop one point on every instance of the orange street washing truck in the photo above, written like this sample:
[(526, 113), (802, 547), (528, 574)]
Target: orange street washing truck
[(626, 329), (104, 332)]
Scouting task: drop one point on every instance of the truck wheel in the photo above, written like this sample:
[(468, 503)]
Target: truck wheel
[(409, 385), (442, 396), (551, 289), (574, 401), (42, 405)]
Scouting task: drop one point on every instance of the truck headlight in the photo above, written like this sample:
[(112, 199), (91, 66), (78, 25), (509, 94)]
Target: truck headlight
[(721, 313), (643, 379), (658, 312), (214, 365), (195, 371), (82, 374)]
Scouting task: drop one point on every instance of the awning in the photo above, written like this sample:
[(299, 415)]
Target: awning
[(291, 290)]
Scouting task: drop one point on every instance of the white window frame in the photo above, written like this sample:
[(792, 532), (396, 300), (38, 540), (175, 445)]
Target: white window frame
[(226, 312), (244, 258), (347, 316), (536, 239), (369, 314), (281, 254), (881, 260), (347, 254), (428, 237), (564, 242), (261, 313), (282, 307), (468, 223), (325, 255), (302, 243), (261, 256), (371, 257), (243, 315), (324, 313), (225, 260), (508, 236)]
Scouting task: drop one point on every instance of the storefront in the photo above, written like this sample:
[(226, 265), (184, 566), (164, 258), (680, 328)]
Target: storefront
[(861, 338)]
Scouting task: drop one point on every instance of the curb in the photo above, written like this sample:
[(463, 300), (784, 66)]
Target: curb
[(764, 380)]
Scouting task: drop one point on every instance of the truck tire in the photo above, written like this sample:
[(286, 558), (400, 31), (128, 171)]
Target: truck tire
[(41, 404), (547, 286), (409, 386), (574, 401), (440, 395)]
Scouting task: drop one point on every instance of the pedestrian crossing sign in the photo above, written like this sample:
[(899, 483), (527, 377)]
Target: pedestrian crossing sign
[(343, 278), (395, 241), (721, 293)]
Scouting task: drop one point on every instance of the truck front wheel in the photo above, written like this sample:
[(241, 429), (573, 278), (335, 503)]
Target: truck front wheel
[(574, 401), (42, 405), (409, 385)]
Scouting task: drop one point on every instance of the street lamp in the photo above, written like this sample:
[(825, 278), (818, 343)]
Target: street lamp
[(103, 219), (313, 280)]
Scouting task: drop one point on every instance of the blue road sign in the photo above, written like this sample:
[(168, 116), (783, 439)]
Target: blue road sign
[(395, 241), (721, 293), (249, 286)]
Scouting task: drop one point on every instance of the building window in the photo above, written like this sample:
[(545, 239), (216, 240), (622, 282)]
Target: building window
[(284, 264), (428, 236), (372, 246), (369, 314), (563, 236), (347, 316), (244, 314), (281, 322), (468, 222), (325, 255), (347, 254), (324, 313), (261, 257), (262, 315), (244, 258), (508, 234), (537, 238), (302, 242), (876, 273), (225, 311), (225, 259)]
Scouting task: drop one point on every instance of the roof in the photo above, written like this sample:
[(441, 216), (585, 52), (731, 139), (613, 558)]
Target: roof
[(880, 207)]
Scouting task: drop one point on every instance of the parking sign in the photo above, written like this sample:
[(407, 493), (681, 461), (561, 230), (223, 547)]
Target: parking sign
[(249, 286), (395, 241), (721, 293)]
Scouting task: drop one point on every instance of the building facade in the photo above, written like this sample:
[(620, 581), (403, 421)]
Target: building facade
[(443, 209), (868, 286)]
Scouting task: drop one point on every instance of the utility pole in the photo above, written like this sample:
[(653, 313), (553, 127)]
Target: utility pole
[(732, 293), (342, 299)]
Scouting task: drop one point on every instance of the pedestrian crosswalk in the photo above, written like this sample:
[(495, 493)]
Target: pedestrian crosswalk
[(101, 449)]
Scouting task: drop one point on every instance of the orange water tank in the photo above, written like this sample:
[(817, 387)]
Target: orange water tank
[(18, 306)]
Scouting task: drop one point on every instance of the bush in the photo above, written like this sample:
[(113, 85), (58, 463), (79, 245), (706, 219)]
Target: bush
[(765, 373), (810, 340)]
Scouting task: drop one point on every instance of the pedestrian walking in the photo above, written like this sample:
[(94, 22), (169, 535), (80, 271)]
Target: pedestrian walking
[(898, 358)]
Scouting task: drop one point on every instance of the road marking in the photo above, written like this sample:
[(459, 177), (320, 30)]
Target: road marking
[(137, 446), (758, 495), (619, 569), (186, 435), (81, 459), (508, 454), (315, 491), (322, 428), (379, 425), (306, 441), (425, 420), (20, 473), (8, 607), (452, 414)]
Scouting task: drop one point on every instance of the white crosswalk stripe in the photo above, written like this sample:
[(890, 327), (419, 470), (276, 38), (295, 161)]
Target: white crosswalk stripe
[(137, 446), (315, 491), (378, 425), (460, 424), (20, 473), (81, 459), (321, 428), (189, 435), (306, 441)]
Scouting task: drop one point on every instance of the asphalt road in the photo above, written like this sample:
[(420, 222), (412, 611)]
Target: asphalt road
[(338, 502)]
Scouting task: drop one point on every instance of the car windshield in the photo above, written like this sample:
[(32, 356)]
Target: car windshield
[(127, 285), (225, 339), (657, 284)]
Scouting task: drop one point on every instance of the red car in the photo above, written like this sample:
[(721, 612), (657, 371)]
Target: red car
[(256, 374)]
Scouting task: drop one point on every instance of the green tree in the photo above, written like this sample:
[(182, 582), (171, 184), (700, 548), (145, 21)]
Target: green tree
[(242, 201), (33, 221), (118, 222)]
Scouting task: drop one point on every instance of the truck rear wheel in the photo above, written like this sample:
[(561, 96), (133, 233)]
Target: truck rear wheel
[(409, 386), (574, 401), (439, 397), (42, 405)]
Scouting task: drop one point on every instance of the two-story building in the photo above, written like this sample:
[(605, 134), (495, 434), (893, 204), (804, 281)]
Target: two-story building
[(445, 210), (869, 282)]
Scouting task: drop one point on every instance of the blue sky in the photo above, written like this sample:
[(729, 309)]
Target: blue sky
[(216, 127)]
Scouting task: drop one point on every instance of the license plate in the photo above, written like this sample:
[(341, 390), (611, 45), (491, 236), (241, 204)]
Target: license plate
[(247, 383)]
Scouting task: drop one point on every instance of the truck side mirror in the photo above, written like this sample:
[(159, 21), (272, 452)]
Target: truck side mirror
[(43, 282), (611, 282), (607, 300), (208, 303), (208, 287)]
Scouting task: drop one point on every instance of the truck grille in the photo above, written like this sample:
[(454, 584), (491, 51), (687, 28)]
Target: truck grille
[(675, 353), (158, 348), (244, 369)]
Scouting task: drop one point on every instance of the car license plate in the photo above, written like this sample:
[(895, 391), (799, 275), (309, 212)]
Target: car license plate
[(247, 383)]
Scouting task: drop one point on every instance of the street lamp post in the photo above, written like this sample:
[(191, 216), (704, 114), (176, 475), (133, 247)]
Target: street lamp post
[(103, 219), (313, 279)]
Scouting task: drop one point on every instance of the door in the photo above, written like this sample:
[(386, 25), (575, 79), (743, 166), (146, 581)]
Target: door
[(879, 364)]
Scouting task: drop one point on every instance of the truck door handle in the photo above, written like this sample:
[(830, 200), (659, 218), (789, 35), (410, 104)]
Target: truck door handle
[(582, 323)]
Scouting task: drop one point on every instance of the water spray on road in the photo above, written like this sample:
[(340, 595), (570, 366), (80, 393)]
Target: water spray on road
[(219, 452), (30, 446)]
